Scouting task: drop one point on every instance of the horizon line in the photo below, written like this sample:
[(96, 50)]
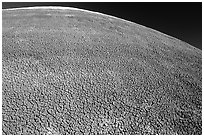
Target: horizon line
[(93, 12)]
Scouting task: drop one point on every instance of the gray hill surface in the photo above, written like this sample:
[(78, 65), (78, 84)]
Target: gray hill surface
[(77, 72)]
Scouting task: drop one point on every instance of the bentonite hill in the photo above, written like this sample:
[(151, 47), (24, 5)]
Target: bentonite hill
[(71, 71)]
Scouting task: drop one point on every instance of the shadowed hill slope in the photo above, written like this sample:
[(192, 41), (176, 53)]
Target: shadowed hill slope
[(77, 72)]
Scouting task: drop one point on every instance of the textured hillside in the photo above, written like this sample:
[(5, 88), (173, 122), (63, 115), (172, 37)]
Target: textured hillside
[(76, 72)]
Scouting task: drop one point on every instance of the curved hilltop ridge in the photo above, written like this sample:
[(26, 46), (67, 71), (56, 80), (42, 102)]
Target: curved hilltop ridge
[(78, 72), (65, 9)]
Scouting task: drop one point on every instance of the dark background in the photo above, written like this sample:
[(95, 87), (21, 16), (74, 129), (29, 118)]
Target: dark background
[(180, 20)]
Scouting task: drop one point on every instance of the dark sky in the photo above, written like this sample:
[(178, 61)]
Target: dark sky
[(180, 20)]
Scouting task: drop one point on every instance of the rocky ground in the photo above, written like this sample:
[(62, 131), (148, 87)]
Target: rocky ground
[(73, 72)]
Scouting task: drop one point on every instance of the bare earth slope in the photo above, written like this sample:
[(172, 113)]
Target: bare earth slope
[(77, 72)]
